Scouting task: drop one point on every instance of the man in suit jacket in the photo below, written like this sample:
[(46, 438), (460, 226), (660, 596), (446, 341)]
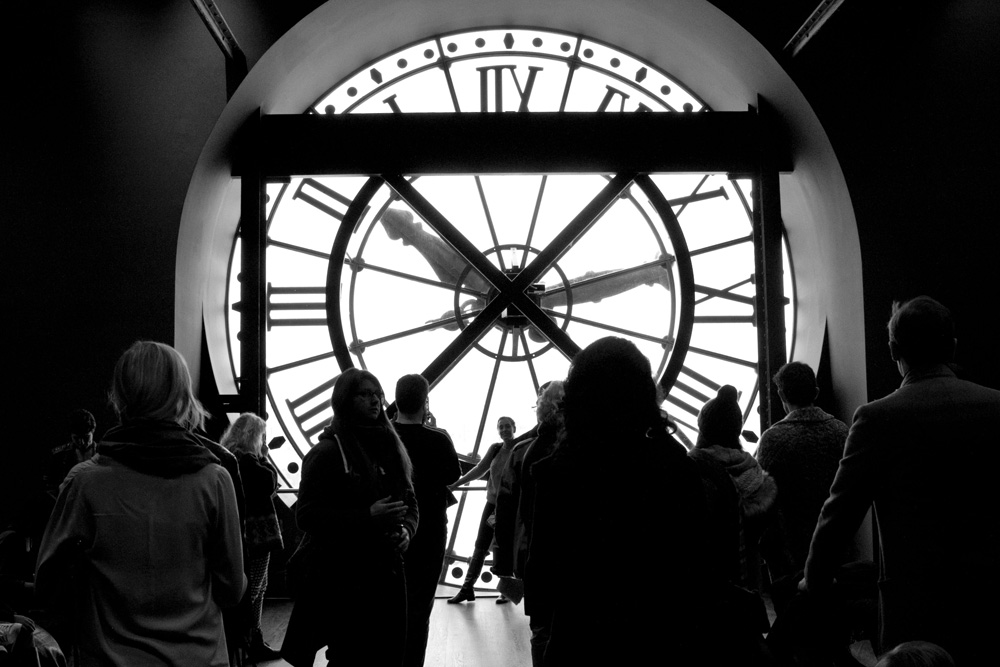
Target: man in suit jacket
[(922, 456)]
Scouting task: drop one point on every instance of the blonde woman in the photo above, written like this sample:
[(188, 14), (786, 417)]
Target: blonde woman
[(143, 548), (262, 532)]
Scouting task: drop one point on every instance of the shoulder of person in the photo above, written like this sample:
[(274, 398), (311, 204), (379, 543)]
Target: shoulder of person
[(440, 432), (326, 445), (214, 447), (523, 445)]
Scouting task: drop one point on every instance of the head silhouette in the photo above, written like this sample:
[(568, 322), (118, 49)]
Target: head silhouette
[(152, 381), (796, 384), (411, 393), (245, 435), (921, 332), (720, 420), (610, 389)]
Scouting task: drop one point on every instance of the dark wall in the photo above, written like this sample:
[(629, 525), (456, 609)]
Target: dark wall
[(909, 98), (108, 109)]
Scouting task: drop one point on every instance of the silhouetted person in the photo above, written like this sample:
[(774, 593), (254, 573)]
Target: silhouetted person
[(921, 456), (720, 422), (515, 512), (261, 533), (144, 548), (493, 462), (916, 654), (358, 512), (80, 447), (617, 547), (801, 452), (435, 467)]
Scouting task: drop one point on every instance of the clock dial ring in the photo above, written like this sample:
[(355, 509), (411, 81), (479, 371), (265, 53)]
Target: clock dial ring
[(345, 358)]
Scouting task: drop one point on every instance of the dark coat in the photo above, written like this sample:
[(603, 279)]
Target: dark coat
[(341, 479), (921, 455), (610, 525), (346, 574), (262, 532)]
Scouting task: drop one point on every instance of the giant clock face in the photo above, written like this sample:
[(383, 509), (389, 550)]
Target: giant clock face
[(408, 288)]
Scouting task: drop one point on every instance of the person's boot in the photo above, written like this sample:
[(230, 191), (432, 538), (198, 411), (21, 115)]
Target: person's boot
[(467, 593), (259, 650)]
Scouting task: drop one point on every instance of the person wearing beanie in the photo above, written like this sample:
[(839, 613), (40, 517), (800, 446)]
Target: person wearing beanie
[(718, 447)]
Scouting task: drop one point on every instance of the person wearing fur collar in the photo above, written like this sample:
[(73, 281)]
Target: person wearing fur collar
[(719, 423)]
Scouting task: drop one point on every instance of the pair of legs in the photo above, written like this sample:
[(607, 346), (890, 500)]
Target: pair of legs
[(256, 569), (483, 541), (423, 560), (540, 624)]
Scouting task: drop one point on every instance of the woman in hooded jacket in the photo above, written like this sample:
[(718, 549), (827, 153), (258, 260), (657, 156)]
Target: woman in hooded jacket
[(357, 509)]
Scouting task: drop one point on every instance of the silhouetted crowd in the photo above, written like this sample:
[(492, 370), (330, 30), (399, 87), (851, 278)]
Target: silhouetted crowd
[(624, 545)]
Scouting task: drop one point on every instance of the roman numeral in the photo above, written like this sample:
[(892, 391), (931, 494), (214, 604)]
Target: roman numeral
[(524, 93), (622, 95), (299, 305), (393, 104), (683, 391), (303, 412), (324, 198)]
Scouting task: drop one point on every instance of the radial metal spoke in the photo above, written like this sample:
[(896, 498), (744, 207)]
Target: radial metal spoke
[(724, 319), (528, 358), (725, 244), (489, 220), (534, 218), (300, 362), (297, 248), (362, 345), (360, 264), (666, 341), (723, 357), (489, 393), (700, 196)]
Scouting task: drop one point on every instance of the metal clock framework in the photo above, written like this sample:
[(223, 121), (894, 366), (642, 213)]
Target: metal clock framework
[(478, 207)]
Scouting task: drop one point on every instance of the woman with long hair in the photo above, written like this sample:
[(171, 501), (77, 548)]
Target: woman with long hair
[(261, 531), (143, 548), (358, 512)]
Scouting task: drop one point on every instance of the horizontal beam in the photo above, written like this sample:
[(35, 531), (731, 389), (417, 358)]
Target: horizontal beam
[(507, 143)]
